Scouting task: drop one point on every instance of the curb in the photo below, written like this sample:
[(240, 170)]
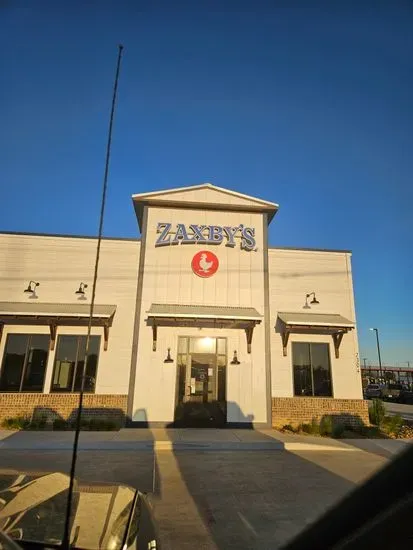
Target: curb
[(180, 446), (315, 447), (247, 446)]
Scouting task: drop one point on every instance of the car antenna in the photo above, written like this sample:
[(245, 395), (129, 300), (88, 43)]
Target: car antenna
[(66, 533)]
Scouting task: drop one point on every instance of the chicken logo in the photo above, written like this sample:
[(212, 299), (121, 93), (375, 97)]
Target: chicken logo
[(204, 264)]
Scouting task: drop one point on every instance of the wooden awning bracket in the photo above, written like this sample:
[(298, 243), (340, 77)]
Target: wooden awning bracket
[(249, 332), (53, 330), (337, 337), (285, 336), (336, 333), (156, 322), (154, 336), (54, 322), (105, 337)]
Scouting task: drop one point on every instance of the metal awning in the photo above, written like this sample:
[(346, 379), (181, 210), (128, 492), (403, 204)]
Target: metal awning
[(204, 312), (203, 316), (315, 319), (314, 323), (54, 315)]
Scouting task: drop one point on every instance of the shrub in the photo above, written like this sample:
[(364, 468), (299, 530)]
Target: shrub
[(312, 428), (102, 424), (38, 423), (16, 423), (326, 425), (338, 430), (86, 424), (315, 427), (60, 424), (392, 425), (377, 412)]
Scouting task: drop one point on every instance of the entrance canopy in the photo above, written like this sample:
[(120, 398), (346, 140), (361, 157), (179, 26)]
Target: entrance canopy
[(314, 323), (54, 315), (203, 316)]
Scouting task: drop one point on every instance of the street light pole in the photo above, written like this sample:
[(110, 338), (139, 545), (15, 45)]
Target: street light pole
[(376, 330)]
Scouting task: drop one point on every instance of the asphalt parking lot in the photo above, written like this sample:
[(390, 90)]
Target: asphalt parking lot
[(223, 499)]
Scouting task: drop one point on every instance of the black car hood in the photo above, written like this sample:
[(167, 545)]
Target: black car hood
[(33, 508)]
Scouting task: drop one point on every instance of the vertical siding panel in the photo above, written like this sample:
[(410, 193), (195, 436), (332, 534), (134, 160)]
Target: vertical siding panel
[(60, 264), (293, 273)]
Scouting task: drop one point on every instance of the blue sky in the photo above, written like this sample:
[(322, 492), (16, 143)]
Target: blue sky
[(308, 107)]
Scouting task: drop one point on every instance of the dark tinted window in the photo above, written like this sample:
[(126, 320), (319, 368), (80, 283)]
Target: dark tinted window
[(70, 363), (37, 354), (311, 368), (24, 362), (320, 363), (91, 366), (302, 369)]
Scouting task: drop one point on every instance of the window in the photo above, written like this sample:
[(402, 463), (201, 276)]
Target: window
[(70, 361), (312, 373), (24, 362)]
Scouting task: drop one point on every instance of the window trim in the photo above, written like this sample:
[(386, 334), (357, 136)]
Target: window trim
[(29, 336), (72, 390), (311, 369)]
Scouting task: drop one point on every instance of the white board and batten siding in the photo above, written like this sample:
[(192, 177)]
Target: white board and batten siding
[(293, 274), (169, 279), (59, 264)]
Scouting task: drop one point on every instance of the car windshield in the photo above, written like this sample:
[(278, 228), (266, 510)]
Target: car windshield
[(206, 230)]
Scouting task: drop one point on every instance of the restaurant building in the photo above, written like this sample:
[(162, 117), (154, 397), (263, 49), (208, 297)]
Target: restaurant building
[(197, 323)]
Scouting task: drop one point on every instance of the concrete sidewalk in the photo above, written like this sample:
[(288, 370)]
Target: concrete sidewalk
[(191, 439)]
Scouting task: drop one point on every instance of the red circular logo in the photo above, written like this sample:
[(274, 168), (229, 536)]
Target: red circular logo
[(204, 264)]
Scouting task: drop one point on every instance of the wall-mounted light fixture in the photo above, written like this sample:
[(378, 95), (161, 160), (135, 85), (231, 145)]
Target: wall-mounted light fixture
[(168, 357), (31, 287), (313, 301), (81, 289), (235, 359)]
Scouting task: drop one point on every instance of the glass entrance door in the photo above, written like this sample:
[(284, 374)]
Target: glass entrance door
[(201, 378), (201, 398)]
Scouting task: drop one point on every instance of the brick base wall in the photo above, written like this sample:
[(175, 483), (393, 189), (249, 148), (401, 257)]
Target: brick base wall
[(63, 405), (294, 410)]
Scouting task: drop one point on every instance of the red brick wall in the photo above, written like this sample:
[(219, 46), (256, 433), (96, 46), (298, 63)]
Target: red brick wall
[(294, 410), (63, 405)]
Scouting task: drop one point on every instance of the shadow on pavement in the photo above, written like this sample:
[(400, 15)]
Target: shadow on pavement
[(245, 499), (217, 499)]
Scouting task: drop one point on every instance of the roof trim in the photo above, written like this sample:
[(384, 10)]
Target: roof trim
[(305, 249), (257, 205), (150, 194)]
